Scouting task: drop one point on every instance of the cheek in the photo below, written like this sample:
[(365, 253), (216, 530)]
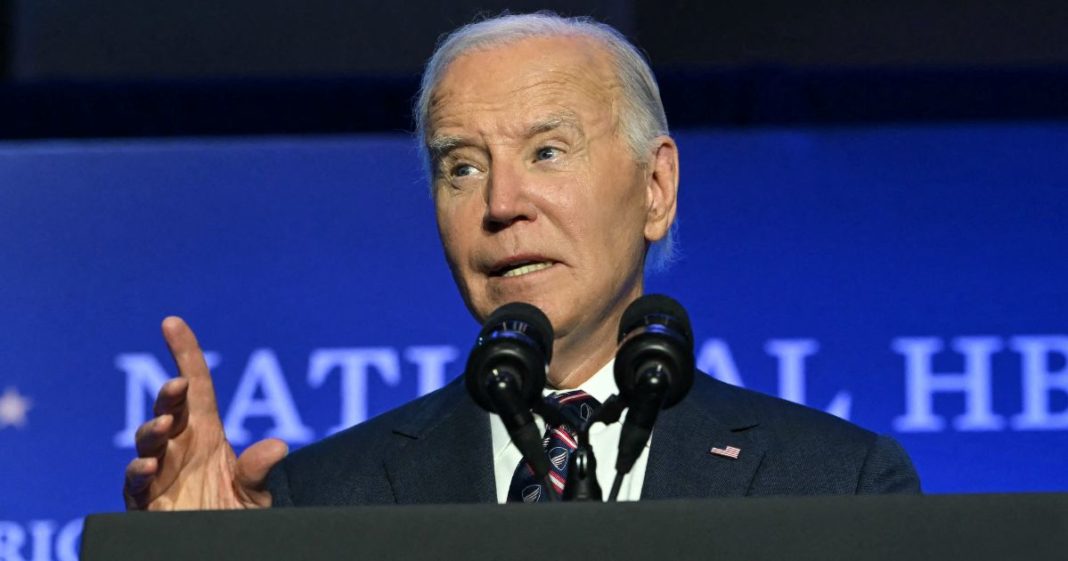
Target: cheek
[(448, 234), (459, 231), (619, 204)]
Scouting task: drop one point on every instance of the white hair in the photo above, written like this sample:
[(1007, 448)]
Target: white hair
[(641, 118)]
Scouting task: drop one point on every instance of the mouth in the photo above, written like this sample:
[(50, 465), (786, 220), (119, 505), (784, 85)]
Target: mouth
[(518, 268)]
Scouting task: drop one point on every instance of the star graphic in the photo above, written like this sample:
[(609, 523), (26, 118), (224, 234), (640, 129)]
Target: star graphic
[(13, 408)]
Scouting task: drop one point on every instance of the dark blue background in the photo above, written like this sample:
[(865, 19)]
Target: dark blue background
[(852, 237)]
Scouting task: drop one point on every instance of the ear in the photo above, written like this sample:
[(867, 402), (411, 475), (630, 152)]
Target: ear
[(662, 189)]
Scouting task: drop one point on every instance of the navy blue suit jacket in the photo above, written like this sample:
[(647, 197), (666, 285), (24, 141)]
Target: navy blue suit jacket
[(437, 449)]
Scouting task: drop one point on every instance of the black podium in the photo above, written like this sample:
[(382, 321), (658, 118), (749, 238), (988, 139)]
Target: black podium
[(947, 527)]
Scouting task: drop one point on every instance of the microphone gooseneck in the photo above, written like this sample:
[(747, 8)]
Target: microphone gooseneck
[(506, 372), (653, 370)]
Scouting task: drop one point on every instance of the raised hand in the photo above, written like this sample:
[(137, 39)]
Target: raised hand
[(183, 459)]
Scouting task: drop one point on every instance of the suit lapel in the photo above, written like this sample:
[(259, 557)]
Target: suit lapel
[(444, 455), (680, 462)]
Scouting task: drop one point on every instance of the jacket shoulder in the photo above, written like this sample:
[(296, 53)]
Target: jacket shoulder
[(348, 466), (811, 451)]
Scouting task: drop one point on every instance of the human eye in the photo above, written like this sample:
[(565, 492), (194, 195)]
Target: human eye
[(462, 170), (454, 166), (461, 173), (547, 153)]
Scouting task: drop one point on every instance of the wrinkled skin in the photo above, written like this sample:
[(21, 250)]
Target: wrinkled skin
[(530, 169), (530, 166)]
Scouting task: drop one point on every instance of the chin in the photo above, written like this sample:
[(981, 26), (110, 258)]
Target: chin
[(545, 304)]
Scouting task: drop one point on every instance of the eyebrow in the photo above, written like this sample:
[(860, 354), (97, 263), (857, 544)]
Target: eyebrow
[(439, 146), (555, 121)]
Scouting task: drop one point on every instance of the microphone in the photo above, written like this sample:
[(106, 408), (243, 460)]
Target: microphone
[(506, 373), (653, 370)]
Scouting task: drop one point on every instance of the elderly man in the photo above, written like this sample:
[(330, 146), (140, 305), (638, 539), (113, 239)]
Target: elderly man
[(554, 180)]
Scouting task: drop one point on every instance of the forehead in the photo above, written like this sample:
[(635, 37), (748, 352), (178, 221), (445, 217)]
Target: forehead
[(504, 85)]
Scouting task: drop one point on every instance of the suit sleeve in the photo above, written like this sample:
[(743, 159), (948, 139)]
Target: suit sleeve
[(278, 485), (888, 469)]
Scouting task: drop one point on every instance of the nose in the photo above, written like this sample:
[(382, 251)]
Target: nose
[(508, 198)]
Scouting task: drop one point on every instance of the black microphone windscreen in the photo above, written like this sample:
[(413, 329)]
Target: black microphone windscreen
[(520, 316), (656, 306)]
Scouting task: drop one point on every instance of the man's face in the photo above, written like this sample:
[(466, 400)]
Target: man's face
[(539, 198)]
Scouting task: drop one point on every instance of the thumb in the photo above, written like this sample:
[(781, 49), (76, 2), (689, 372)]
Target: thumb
[(256, 461)]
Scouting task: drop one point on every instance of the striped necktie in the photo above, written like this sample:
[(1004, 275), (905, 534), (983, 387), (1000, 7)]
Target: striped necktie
[(560, 441)]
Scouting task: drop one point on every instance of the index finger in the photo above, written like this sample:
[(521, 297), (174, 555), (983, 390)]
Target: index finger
[(184, 348), (191, 365)]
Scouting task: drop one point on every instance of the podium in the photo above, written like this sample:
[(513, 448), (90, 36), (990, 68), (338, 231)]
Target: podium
[(1027, 527)]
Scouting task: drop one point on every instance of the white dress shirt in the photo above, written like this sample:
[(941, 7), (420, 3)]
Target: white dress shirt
[(604, 440)]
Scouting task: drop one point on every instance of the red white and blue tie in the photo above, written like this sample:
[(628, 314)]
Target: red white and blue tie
[(560, 441)]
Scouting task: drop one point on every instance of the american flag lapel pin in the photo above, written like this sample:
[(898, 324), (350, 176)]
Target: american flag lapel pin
[(728, 452)]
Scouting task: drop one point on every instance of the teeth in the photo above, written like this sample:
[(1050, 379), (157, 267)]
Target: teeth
[(530, 268)]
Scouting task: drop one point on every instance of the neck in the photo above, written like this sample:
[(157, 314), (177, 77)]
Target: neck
[(579, 355), (573, 365)]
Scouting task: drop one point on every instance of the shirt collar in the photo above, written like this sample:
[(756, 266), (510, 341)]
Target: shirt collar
[(600, 386)]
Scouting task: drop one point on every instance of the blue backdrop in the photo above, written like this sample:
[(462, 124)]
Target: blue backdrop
[(909, 278)]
